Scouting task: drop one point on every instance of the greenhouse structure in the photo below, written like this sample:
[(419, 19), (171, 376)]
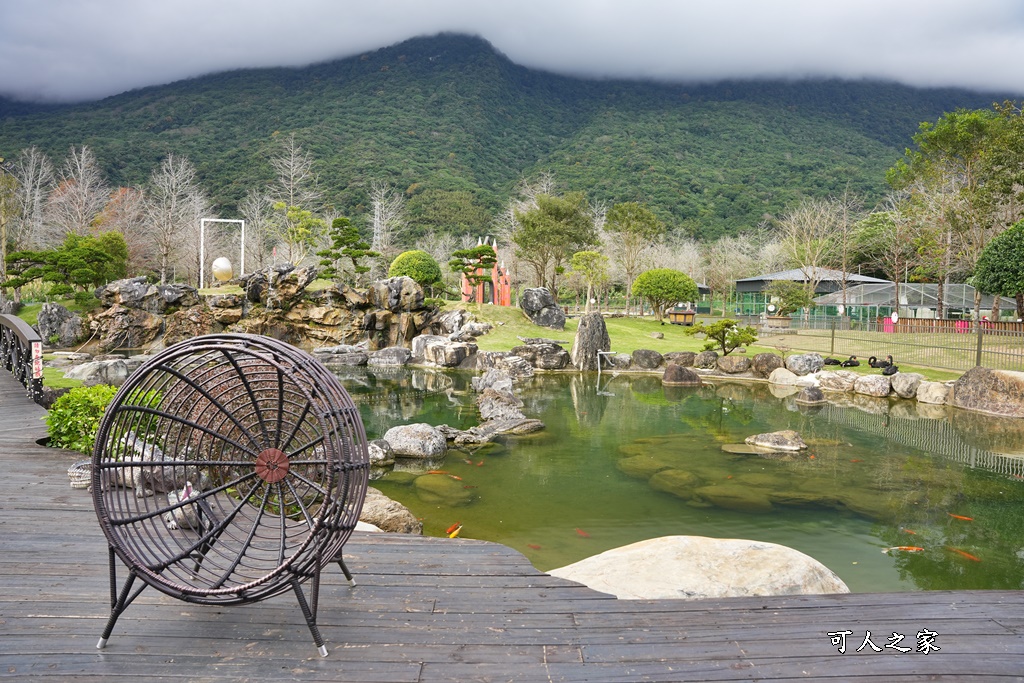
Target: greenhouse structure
[(917, 300)]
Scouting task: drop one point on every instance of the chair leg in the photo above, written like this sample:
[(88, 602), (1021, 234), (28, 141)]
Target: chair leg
[(310, 618)]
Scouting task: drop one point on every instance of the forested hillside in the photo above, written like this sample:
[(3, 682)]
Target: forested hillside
[(456, 125)]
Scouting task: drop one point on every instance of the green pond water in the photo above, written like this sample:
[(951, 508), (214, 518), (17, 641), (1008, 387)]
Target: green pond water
[(624, 459)]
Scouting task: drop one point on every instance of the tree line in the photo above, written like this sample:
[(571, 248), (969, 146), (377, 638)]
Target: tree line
[(954, 193)]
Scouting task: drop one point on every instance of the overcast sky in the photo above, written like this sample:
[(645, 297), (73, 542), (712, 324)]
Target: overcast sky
[(85, 49)]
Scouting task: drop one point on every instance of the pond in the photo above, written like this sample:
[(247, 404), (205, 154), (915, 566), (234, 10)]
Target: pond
[(889, 497)]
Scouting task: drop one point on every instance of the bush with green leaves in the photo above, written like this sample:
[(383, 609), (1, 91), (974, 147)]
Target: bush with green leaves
[(663, 287), (789, 296), (75, 417), (724, 335), (417, 264)]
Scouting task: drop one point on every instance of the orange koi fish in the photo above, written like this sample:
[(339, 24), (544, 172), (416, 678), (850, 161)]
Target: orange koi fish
[(533, 546), (468, 461), (966, 519), (856, 460), (582, 533), (455, 477), (480, 464), (437, 472), (453, 527), (964, 554), (469, 486), (909, 531), (456, 532), (905, 548)]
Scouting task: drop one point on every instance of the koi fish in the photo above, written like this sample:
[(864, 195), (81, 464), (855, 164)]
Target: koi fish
[(811, 457), (582, 533), (468, 461), (453, 527), (455, 477), (480, 464), (437, 472), (469, 486), (966, 519), (964, 554), (909, 531), (533, 546), (856, 460), (456, 532), (905, 548)]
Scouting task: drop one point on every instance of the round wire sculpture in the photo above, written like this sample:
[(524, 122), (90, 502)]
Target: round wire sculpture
[(229, 469)]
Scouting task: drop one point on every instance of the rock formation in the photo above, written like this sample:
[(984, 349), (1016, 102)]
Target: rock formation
[(541, 308), (591, 337)]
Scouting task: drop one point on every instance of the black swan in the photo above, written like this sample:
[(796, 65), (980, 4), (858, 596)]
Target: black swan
[(890, 369), (831, 361), (875, 363), (851, 362)]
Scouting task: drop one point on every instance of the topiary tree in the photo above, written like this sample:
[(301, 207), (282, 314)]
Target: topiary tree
[(344, 243), (1000, 268), (418, 265), (663, 287), (724, 335), (475, 263)]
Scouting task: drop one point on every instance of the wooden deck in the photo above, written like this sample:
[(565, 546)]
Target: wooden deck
[(429, 609)]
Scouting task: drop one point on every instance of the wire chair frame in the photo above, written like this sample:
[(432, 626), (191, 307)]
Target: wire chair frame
[(229, 469)]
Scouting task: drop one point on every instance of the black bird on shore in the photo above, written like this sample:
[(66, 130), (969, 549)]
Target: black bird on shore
[(831, 361), (875, 363), (890, 369), (850, 362)]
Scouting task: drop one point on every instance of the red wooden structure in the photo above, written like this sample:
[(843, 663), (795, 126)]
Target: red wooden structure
[(497, 290)]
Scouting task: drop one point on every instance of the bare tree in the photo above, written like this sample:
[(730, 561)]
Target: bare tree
[(809, 235), (726, 260), (387, 217), (296, 183), (891, 235), (260, 233), (78, 197), (34, 172), (174, 205), (125, 213)]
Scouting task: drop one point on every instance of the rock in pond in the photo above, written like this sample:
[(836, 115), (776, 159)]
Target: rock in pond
[(441, 489), (416, 441), (783, 440), (995, 392), (388, 515), (696, 567), (678, 375)]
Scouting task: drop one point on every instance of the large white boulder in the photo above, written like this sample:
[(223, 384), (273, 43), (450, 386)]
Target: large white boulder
[(418, 440), (696, 567)]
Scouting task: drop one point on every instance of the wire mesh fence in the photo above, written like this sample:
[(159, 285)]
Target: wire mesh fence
[(944, 344)]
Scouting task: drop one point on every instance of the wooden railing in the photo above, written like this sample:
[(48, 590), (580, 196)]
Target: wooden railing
[(21, 351)]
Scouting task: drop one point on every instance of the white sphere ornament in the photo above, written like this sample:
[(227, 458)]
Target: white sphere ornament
[(222, 269)]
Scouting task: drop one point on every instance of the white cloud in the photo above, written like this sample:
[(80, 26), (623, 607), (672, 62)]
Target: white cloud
[(75, 49)]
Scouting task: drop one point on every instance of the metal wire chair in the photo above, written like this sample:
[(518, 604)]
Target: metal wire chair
[(228, 469)]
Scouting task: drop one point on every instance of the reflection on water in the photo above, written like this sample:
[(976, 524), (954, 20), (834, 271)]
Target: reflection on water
[(630, 460)]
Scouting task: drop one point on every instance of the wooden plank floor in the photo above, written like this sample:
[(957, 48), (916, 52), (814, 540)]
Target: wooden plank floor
[(429, 609)]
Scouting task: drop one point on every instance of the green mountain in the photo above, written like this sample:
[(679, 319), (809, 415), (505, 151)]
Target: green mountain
[(456, 125)]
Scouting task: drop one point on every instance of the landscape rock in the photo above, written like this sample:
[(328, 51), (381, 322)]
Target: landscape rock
[(993, 392), (188, 323), (618, 361), (499, 405), (543, 356), (838, 380), (126, 328), (518, 368), (783, 377), (113, 372), (392, 355), (440, 489), (680, 376), (873, 385), (805, 363), (494, 378), (542, 309), (59, 327), (591, 337), (905, 384), (696, 567), (416, 441), (783, 440), (647, 359), (657, 335), (750, 499), (933, 392), (706, 360), (381, 453), (763, 364), (442, 351), (733, 365), (387, 514), (680, 483), (684, 358), (452, 321), (396, 294)]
